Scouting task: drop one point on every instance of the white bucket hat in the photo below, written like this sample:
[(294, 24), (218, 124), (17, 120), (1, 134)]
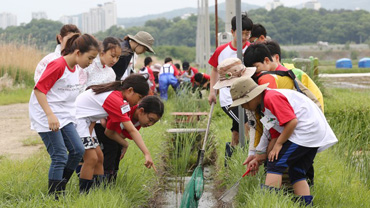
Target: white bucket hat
[(229, 70)]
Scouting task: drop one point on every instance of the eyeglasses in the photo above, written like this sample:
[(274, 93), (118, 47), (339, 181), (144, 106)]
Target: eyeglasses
[(254, 40)]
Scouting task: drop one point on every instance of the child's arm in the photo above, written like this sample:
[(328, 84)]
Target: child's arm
[(52, 119), (117, 138), (134, 133), (284, 136)]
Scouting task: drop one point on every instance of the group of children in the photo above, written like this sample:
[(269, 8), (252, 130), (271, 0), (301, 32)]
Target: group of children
[(169, 74), (82, 108), (86, 102), (285, 121)]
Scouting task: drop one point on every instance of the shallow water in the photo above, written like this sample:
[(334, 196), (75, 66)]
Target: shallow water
[(171, 199)]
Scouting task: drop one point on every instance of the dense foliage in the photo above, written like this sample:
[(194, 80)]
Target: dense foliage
[(286, 25)]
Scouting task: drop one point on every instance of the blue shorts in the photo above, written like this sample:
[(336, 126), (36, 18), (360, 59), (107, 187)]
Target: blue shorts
[(299, 159)]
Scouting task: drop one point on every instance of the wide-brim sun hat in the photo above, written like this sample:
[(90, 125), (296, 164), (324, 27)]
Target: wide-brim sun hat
[(231, 69), (145, 39), (244, 89)]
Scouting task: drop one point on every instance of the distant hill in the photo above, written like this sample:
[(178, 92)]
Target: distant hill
[(140, 21), (345, 4)]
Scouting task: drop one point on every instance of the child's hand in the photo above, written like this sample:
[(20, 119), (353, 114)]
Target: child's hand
[(253, 165), (273, 155), (149, 162), (53, 122), (123, 152), (249, 159)]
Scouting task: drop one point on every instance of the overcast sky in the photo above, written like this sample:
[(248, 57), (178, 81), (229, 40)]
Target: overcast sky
[(125, 8)]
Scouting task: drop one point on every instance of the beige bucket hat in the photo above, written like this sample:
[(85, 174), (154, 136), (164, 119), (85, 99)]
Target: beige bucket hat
[(229, 70), (244, 89), (145, 39)]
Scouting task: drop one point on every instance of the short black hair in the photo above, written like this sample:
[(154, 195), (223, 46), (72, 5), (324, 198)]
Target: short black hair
[(274, 48), (256, 53), (177, 65), (147, 60), (198, 77), (258, 30), (185, 65), (168, 59), (247, 24)]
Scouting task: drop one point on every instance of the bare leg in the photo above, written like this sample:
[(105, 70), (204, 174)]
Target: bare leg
[(90, 160), (99, 169), (273, 180), (235, 138), (301, 188)]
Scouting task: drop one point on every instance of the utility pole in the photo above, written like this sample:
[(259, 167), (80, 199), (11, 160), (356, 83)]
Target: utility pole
[(240, 56), (203, 45)]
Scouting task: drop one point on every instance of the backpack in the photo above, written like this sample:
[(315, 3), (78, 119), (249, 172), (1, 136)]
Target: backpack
[(297, 85), (283, 82)]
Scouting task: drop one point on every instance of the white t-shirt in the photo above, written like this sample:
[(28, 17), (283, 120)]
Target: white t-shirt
[(223, 52), (61, 86), (312, 130), (93, 107), (44, 62), (96, 73)]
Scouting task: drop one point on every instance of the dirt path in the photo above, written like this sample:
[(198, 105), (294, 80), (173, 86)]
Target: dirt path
[(15, 127)]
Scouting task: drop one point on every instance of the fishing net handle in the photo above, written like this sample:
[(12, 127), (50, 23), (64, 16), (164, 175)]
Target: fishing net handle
[(208, 125)]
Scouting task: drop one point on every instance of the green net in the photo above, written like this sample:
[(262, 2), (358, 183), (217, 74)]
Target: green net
[(194, 189)]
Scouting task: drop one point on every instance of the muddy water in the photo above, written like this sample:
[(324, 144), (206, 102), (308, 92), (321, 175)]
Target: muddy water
[(351, 80), (171, 198)]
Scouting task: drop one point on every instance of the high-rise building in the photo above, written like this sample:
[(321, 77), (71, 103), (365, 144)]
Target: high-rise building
[(97, 19), (39, 15), (273, 5), (7, 19), (110, 11), (70, 20), (313, 4)]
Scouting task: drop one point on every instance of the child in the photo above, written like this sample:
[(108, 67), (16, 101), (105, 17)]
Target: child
[(130, 45), (100, 71), (202, 80), (52, 109), (145, 114), (65, 32), (168, 76), (268, 70), (303, 130), (223, 52), (275, 51), (229, 70), (147, 70), (114, 100), (258, 34)]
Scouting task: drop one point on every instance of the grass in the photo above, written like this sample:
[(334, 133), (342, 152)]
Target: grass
[(340, 173), (12, 96), (32, 141)]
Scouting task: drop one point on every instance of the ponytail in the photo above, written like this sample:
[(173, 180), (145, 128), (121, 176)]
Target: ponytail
[(84, 43), (138, 82), (152, 104)]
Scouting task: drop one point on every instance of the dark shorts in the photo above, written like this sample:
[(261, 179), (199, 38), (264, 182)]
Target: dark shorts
[(299, 159), (233, 113)]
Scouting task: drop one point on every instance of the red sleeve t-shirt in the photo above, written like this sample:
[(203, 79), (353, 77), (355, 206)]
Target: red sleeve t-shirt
[(280, 107), (54, 71), (116, 126), (114, 106)]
